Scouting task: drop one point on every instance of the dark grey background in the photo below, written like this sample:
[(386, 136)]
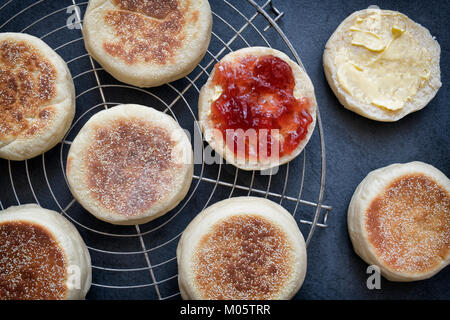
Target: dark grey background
[(354, 147)]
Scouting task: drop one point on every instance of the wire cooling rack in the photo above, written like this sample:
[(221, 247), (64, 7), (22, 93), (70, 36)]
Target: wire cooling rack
[(139, 261)]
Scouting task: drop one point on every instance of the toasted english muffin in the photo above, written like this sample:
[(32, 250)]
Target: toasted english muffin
[(382, 65), (281, 98), (399, 220), (243, 248), (130, 164), (150, 42), (43, 257), (37, 97)]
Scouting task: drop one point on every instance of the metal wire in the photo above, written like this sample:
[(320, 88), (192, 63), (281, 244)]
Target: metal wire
[(180, 95)]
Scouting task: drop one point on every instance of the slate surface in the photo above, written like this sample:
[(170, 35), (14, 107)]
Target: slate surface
[(354, 147)]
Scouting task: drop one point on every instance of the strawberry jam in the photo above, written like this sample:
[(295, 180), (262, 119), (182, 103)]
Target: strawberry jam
[(258, 94)]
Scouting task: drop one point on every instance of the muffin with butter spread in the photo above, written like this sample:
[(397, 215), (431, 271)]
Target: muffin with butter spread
[(382, 65)]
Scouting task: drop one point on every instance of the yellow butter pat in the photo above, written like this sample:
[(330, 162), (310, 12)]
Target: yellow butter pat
[(386, 65)]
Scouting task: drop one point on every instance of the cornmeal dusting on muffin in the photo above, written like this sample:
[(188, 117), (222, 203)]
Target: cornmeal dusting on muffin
[(409, 224), (130, 166), (243, 257), (27, 85), (146, 31), (32, 265), (158, 9)]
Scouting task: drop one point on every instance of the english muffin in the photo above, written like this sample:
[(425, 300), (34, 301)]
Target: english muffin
[(37, 97), (130, 164), (243, 248), (42, 256), (382, 65), (399, 220), (150, 42), (258, 108)]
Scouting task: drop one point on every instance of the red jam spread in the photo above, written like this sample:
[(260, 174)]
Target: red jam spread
[(258, 94)]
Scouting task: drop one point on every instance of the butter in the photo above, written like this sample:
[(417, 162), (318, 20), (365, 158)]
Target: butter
[(397, 31), (385, 65), (367, 39)]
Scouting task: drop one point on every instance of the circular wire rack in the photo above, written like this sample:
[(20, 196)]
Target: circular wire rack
[(139, 261)]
